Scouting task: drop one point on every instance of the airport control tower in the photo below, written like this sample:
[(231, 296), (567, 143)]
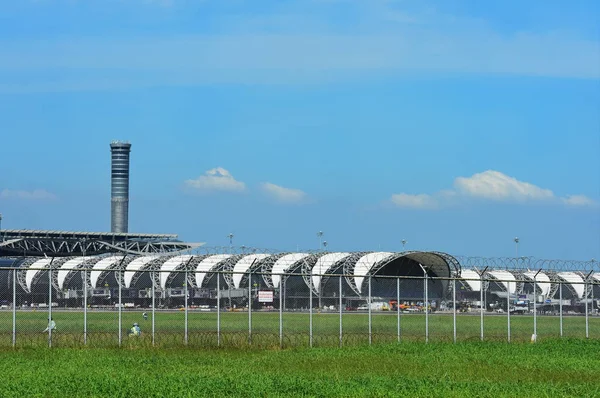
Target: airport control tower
[(119, 186)]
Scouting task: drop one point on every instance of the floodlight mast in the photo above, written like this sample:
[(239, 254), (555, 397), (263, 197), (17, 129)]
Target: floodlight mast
[(230, 236), (517, 246), (403, 241), (320, 236)]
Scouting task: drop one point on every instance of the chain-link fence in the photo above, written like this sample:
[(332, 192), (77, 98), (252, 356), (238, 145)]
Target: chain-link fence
[(170, 308)]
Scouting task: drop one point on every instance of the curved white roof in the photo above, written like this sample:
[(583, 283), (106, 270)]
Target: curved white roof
[(364, 265), (283, 264), (596, 277), (576, 281), (133, 267), (68, 267), (101, 266), (170, 265), (507, 279), (542, 280), (240, 268), (324, 264), (207, 265), (472, 279), (31, 273)]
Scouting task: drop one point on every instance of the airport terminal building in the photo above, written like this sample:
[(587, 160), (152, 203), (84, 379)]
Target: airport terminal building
[(138, 268)]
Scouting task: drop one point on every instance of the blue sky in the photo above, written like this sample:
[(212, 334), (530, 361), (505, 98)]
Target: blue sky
[(456, 125)]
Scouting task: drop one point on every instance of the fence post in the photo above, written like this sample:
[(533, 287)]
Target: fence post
[(535, 309), (341, 304), (85, 306), (250, 307), (370, 320), (14, 309), (281, 293), (218, 309), (310, 314), (592, 293), (426, 308), (508, 310), (587, 293), (481, 287), (560, 307), (120, 273), (282, 283), (50, 304), (153, 305), (587, 324), (426, 298), (398, 331), (185, 303), (454, 310)]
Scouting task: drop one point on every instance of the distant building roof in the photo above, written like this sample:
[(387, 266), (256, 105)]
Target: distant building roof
[(27, 233), (27, 242)]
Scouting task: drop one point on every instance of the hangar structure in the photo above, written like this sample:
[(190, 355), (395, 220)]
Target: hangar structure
[(296, 274), (236, 269), (578, 285)]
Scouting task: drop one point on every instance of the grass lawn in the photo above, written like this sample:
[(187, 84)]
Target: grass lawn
[(552, 368), (202, 326)]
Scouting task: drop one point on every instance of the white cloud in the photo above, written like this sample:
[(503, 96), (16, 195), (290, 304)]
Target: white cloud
[(578, 200), (421, 201), (495, 185), (36, 194), (489, 185), (284, 195), (217, 179)]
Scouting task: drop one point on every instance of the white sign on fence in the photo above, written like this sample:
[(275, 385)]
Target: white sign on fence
[(265, 296)]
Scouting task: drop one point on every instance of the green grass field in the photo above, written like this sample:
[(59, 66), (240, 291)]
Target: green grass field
[(202, 327), (551, 368)]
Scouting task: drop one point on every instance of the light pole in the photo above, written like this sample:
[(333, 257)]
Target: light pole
[(403, 244), (320, 236), (325, 245), (230, 236), (1, 226), (517, 247)]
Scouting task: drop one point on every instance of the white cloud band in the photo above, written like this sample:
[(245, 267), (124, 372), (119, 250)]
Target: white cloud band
[(421, 201), (36, 194), (488, 185), (217, 179), (284, 195), (495, 185)]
